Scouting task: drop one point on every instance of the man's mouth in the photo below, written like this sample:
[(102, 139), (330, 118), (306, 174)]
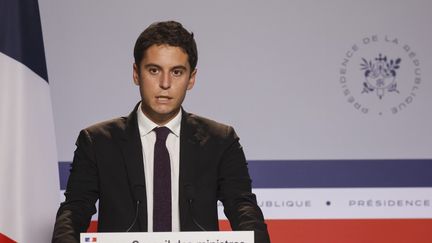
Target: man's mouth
[(163, 98)]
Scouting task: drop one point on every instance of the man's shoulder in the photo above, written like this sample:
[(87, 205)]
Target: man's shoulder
[(107, 128), (208, 126), (201, 120)]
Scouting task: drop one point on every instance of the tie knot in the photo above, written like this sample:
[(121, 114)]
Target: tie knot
[(162, 133)]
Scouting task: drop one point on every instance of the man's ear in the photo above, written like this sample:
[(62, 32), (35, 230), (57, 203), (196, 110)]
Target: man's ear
[(135, 74), (192, 80)]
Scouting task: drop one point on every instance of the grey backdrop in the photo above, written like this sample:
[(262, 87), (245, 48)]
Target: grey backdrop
[(269, 68)]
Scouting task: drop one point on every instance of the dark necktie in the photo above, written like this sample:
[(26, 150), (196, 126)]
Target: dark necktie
[(162, 183)]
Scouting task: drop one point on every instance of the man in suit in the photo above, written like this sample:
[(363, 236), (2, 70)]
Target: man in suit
[(161, 168)]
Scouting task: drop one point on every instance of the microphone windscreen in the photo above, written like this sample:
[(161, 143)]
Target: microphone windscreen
[(189, 192), (139, 193)]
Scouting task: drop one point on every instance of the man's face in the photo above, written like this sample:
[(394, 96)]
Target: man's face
[(164, 77)]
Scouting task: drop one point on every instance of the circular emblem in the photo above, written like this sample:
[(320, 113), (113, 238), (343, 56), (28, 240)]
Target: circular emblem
[(380, 75)]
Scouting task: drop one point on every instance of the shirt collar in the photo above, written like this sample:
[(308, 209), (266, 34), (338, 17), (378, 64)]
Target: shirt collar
[(146, 125)]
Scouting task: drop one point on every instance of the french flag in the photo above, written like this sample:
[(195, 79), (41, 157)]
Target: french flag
[(29, 181)]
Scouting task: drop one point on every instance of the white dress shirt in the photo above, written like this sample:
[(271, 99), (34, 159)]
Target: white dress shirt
[(148, 139)]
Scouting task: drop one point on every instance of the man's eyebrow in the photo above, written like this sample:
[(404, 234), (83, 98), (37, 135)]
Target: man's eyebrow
[(179, 67), (151, 65), (157, 66)]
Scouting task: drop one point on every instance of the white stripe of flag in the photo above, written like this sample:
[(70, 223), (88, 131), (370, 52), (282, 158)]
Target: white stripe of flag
[(29, 182)]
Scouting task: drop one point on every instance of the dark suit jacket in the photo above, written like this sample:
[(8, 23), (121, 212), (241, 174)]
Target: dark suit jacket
[(108, 165)]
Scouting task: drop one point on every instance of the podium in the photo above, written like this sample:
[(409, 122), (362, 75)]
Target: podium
[(170, 237)]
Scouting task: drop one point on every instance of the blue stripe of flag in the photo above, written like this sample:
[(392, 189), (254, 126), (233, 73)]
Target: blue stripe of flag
[(329, 173), (21, 34)]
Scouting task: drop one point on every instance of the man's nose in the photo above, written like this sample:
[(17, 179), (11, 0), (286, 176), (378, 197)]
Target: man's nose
[(165, 82)]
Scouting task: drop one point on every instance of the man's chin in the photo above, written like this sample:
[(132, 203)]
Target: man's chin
[(163, 116), (167, 112)]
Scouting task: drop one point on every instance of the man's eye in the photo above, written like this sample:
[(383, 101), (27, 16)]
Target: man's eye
[(177, 72), (153, 70)]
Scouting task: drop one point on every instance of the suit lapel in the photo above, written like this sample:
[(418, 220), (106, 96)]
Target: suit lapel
[(190, 137), (130, 145)]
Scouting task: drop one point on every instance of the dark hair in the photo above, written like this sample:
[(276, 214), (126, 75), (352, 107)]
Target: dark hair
[(170, 33)]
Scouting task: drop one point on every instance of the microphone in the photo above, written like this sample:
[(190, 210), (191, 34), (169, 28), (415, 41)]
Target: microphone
[(190, 196), (138, 195)]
